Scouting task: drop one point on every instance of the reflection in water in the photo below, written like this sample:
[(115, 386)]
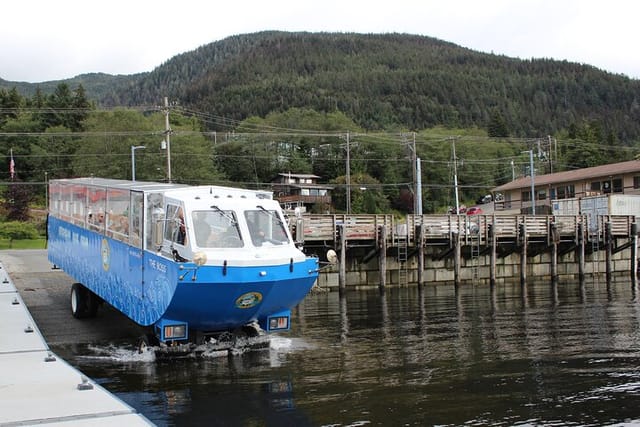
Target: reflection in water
[(478, 355)]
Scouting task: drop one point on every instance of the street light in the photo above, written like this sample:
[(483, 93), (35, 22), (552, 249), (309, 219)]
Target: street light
[(133, 160)]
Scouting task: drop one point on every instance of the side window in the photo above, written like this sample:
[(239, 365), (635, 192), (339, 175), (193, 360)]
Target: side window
[(154, 223), (96, 209), (175, 229), (118, 214), (135, 219)]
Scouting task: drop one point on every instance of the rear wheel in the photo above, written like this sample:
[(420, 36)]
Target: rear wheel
[(84, 303)]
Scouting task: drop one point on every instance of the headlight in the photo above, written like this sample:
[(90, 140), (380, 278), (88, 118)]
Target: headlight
[(199, 258)]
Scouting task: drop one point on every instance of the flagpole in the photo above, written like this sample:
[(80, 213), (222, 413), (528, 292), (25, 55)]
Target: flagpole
[(12, 166)]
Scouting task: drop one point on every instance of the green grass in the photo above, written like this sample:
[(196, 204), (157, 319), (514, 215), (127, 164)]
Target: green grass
[(23, 244)]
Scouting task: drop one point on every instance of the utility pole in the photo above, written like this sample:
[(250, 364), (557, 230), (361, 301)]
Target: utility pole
[(348, 176), (416, 178), (455, 175), (533, 186), (167, 137)]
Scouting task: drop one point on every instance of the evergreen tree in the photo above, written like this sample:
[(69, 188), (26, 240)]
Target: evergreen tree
[(497, 126)]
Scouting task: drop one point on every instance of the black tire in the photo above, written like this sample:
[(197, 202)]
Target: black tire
[(84, 303)]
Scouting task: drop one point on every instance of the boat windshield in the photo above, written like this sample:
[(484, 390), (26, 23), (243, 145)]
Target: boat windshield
[(266, 227), (216, 229)]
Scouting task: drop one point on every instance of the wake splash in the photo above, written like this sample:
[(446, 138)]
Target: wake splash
[(276, 346)]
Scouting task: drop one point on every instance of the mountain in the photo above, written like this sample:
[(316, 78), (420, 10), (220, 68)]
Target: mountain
[(380, 81), (99, 86)]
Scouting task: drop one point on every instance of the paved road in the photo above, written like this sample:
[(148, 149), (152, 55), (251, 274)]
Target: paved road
[(46, 293)]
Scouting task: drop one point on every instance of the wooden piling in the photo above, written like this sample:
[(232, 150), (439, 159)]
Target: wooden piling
[(523, 254), (494, 253), (634, 254), (553, 230), (342, 272), (420, 242), (581, 251), (382, 258), (608, 244), (456, 259)]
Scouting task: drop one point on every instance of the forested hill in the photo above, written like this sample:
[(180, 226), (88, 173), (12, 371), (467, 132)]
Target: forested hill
[(386, 81), (391, 80)]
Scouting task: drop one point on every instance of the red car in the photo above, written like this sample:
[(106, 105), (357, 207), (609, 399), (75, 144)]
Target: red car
[(474, 211)]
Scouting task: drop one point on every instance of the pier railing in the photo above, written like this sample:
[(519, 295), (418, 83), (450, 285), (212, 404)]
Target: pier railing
[(356, 227), (476, 228)]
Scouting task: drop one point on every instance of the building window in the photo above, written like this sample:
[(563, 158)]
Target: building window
[(636, 182), (566, 191), (571, 191), (526, 196), (606, 187), (595, 186), (541, 194), (617, 185)]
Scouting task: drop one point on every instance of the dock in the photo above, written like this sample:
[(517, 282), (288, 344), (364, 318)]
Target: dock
[(470, 248), (39, 387)]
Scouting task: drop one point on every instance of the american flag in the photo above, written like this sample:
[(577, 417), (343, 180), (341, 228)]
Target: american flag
[(12, 166)]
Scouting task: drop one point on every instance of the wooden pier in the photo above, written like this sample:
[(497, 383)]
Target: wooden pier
[(475, 243)]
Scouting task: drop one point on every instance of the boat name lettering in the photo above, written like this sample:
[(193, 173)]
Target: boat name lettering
[(135, 253), (158, 266)]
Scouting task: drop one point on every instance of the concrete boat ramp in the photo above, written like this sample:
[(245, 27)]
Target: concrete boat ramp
[(36, 385)]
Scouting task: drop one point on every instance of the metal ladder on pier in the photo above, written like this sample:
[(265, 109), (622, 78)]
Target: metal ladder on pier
[(474, 242), (403, 251), (472, 239), (594, 236)]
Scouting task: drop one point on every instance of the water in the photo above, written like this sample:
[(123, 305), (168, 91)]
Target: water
[(565, 355)]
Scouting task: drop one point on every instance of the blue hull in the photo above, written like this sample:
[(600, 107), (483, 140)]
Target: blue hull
[(148, 288)]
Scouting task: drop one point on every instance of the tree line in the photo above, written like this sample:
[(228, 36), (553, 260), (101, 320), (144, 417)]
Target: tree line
[(65, 135)]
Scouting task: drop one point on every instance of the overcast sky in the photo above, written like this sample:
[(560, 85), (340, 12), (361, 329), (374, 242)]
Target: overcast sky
[(42, 40)]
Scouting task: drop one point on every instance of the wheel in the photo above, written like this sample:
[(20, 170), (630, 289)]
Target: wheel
[(84, 303)]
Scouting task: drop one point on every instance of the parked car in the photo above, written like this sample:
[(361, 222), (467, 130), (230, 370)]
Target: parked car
[(452, 210), (474, 210), (485, 199)]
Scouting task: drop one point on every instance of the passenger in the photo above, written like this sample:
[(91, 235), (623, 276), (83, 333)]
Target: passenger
[(124, 225), (181, 238)]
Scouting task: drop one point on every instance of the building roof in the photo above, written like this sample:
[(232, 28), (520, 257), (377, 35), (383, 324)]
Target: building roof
[(610, 170), (298, 175), (308, 186)]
